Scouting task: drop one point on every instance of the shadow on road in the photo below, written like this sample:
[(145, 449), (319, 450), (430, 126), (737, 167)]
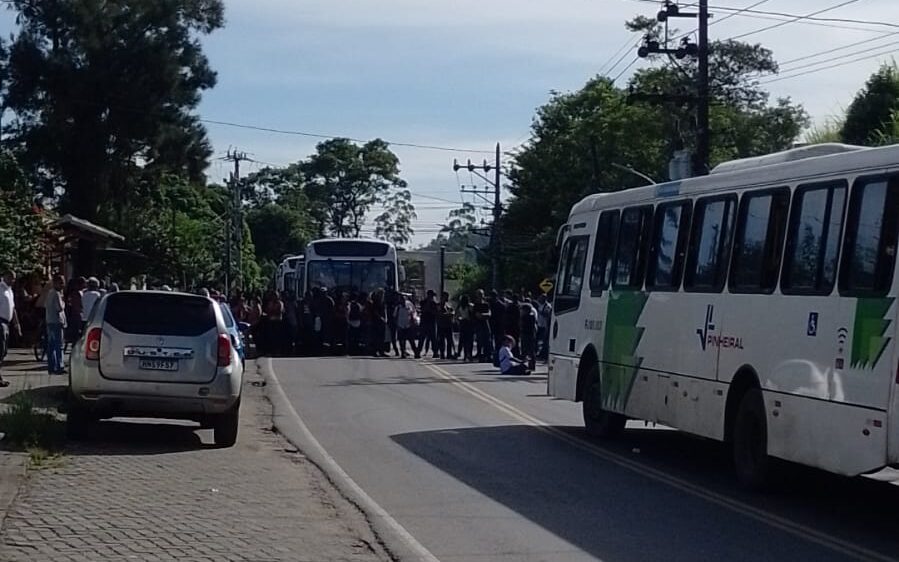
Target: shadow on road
[(616, 513), (119, 437), (40, 397), (403, 380)]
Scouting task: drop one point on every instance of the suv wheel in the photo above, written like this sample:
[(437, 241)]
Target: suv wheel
[(225, 426)]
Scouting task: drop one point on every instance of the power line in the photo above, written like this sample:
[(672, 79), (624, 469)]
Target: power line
[(737, 12), (324, 136), (749, 10), (623, 56), (793, 19), (844, 63), (626, 68), (839, 57), (835, 49), (615, 54)]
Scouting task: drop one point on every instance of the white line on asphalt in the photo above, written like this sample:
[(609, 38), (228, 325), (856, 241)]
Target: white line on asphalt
[(314, 450), (766, 517)]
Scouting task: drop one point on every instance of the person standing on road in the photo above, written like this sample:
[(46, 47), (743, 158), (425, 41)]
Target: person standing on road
[(528, 325), (379, 339), (544, 316), (404, 318), (74, 307), (55, 319), (89, 299), (481, 309), (466, 328), (497, 320), (428, 328), (9, 320), (445, 344)]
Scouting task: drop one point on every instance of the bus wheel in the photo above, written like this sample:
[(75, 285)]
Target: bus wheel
[(597, 421), (750, 442)]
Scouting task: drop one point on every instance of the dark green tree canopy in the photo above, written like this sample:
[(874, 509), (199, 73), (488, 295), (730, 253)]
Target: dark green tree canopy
[(871, 115), (103, 91)]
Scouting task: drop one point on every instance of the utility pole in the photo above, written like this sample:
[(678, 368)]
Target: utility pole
[(701, 97), (442, 269), (235, 229), (496, 204), (702, 111)]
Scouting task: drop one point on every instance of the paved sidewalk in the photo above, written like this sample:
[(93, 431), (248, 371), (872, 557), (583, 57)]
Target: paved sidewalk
[(147, 490)]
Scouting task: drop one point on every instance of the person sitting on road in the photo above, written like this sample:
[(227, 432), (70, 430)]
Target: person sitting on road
[(508, 363)]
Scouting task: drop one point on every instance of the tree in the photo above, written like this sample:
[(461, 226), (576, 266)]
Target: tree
[(580, 141), (103, 92), (278, 231), (870, 115), (344, 181), (21, 227)]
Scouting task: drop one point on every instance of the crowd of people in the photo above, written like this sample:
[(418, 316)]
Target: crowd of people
[(509, 330), (473, 328), (46, 310)]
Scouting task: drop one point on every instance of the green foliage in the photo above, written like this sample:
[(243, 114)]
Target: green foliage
[(25, 426), (21, 227), (278, 231), (580, 140), (829, 131), (344, 181), (103, 95), (470, 277), (870, 116)]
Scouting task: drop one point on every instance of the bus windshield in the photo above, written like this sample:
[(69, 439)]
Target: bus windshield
[(352, 276)]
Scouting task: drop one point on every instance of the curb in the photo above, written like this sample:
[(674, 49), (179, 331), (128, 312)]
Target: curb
[(397, 540)]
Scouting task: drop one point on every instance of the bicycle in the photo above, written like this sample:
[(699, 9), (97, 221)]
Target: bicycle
[(40, 344)]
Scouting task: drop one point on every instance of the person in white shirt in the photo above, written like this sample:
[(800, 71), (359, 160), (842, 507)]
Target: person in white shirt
[(8, 318), (89, 298), (544, 318), (508, 363), (405, 320)]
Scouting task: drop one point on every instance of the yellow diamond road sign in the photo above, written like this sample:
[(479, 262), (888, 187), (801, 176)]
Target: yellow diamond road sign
[(546, 285)]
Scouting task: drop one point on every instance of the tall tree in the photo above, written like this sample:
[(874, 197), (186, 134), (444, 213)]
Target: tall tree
[(345, 181), (103, 91), (870, 117)]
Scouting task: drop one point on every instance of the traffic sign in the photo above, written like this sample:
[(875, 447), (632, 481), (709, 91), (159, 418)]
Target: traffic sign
[(546, 285)]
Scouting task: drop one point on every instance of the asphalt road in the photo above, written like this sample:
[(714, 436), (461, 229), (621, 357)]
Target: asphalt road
[(477, 466)]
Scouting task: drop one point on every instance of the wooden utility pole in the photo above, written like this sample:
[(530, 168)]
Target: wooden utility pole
[(235, 222), (497, 207)]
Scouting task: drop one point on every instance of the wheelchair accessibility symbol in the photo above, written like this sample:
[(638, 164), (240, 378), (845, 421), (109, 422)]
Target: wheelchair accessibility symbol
[(812, 329)]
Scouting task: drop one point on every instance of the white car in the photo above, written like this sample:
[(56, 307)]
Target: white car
[(156, 354)]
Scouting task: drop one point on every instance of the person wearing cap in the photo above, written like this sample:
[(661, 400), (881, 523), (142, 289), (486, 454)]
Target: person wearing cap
[(88, 299)]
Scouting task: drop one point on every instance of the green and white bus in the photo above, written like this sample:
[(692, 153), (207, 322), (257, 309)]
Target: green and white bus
[(755, 305)]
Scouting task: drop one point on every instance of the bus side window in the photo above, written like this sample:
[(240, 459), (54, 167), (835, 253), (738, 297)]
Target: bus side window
[(869, 250), (603, 250), (666, 257), (630, 256), (571, 274), (758, 245), (710, 244), (813, 240)]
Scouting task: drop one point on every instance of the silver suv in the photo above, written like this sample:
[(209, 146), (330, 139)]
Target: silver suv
[(156, 354)]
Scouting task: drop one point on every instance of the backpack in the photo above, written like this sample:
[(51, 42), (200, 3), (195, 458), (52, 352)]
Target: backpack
[(355, 311)]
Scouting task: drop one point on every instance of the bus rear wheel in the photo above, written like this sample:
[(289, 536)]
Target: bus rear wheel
[(750, 442), (597, 421)]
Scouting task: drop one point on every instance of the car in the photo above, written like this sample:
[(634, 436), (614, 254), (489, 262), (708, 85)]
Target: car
[(236, 330), (160, 355)]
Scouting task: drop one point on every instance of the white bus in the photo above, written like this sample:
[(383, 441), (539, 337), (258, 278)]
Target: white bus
[(289, 275), (351, 265), (754, 305)]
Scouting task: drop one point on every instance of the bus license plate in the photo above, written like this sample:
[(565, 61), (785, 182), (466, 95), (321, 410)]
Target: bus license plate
[(158, 364)]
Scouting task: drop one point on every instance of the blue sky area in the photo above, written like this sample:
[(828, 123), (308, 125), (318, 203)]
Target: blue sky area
[(468, 73)]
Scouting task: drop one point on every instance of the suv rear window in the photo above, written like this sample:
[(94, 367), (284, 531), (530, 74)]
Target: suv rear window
[(159, 314)]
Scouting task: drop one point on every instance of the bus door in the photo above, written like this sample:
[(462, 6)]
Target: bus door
[(567, 325)]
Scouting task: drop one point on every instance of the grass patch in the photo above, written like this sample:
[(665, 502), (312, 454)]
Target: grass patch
[(28, 428)]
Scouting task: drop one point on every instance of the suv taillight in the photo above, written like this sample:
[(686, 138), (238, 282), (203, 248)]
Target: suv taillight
[(92, 344), (224, 353)]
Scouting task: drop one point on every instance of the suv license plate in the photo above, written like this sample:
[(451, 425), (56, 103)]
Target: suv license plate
[(158, 364)]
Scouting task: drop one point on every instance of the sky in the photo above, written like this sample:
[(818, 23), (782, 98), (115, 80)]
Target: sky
[(467, 74)]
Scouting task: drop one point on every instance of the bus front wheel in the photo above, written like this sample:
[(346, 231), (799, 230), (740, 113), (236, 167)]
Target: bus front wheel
[(750, 442), (597, 421)]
